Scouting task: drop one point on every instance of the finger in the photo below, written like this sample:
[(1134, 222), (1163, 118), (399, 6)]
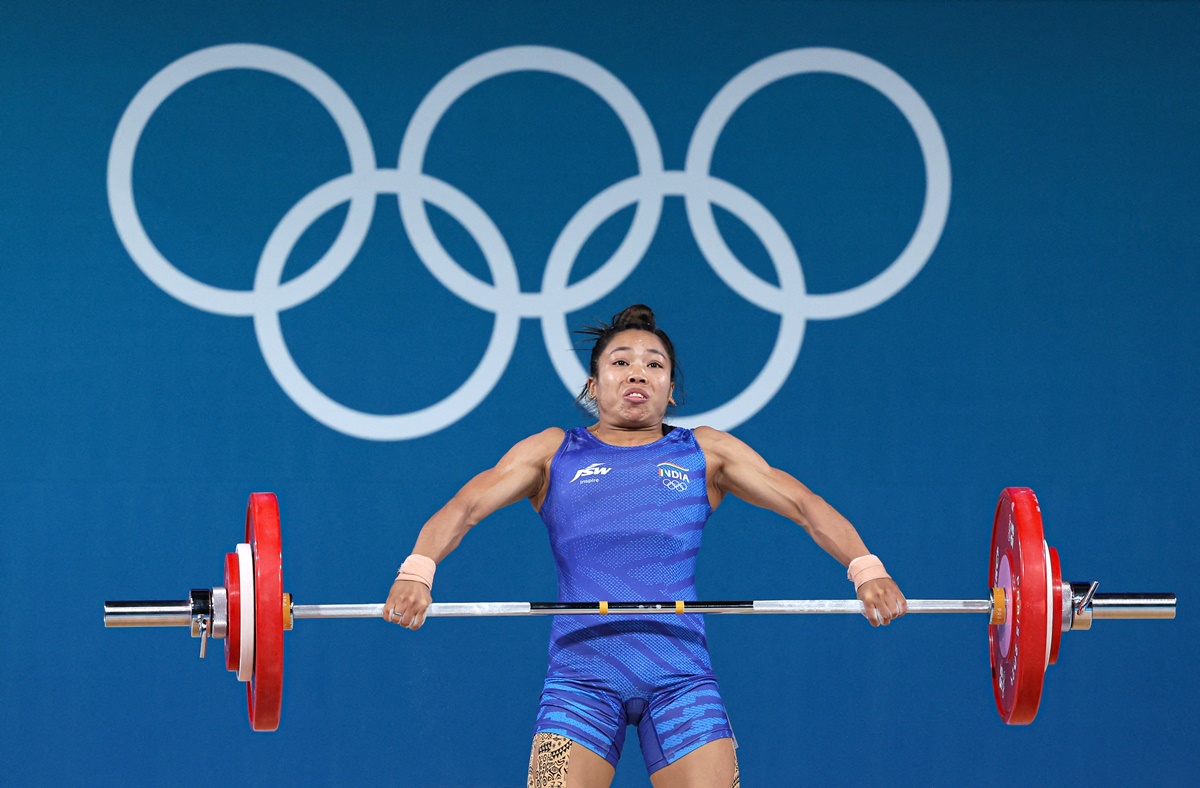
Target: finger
[(889, 612)]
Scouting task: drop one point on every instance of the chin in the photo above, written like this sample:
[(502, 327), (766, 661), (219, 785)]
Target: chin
[(642, 418)]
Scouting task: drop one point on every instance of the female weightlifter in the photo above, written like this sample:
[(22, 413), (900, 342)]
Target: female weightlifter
[(625, 501)]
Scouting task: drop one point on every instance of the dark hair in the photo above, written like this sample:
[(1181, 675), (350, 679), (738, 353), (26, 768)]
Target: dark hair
[(638, 317)]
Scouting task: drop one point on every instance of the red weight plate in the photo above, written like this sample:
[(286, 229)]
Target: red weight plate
[(1019, 565), (264, 693), (233, 634), (1056, 605)]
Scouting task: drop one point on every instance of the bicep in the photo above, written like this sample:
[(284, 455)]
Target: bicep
[(772, 489), (742, 472), (519, 474)]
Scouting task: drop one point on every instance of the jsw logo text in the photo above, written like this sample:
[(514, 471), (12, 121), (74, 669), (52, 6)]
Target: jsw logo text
[(595, 469)]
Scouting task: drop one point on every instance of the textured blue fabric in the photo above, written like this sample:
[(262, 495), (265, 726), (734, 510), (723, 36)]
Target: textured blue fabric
[(625, 524)]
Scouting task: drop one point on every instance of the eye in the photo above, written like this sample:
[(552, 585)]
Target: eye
[(656, 364), (620, 362)]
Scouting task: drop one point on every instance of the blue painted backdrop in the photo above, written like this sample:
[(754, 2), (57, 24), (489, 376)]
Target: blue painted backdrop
[(1048, 337)]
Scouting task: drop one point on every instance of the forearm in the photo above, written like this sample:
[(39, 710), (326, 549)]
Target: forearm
[(881, 597), (443, 532), (832, 532)]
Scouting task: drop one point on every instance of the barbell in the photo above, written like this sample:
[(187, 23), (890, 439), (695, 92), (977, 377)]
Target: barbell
[(1028, 608)]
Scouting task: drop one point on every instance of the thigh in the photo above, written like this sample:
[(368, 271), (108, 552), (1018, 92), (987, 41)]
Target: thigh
[(714, 765), (681, 719), (557, 762), (591, 716)]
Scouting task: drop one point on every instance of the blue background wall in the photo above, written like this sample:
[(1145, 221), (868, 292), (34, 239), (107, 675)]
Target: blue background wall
[(1049, 340)]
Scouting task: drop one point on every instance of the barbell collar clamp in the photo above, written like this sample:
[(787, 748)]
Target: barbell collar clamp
[(200, 601), (220, 612), (205, 626), (1087, 597)]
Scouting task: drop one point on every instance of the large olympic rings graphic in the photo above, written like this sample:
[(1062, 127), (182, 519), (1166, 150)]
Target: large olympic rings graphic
[(414, 188)]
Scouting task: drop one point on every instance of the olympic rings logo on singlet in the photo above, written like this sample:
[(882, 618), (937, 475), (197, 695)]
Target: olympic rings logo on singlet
[(503, 297), (674, 477)]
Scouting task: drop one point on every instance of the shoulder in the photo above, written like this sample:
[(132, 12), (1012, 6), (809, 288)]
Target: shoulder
[(536, 451), (715, 442), (542, 445), (722, 450)]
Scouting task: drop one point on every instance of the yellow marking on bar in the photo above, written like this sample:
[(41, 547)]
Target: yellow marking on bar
[(679, 606), (604, 608)]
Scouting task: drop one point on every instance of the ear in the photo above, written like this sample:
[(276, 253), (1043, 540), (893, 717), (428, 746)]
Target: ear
[(591, 387), (671, 395)]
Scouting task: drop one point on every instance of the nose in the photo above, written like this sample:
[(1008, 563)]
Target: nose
[(637, 375)]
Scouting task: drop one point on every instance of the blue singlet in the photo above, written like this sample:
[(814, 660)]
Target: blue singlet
[(625, 524)]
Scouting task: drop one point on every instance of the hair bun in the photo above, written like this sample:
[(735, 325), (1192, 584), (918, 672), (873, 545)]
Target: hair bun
[(636, 316)]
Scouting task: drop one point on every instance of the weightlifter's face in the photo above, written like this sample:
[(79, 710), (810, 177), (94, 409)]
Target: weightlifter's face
[(633, 379)]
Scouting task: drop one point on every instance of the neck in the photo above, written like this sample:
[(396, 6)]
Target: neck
[(627, 436)]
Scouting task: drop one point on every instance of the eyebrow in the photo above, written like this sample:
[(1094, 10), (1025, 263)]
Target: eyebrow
[(648, 350)]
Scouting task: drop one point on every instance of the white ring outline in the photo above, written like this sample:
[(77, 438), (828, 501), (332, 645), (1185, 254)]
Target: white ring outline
[(206, 297), (504, 298), (320, 406), (487, 66), (934, 153)]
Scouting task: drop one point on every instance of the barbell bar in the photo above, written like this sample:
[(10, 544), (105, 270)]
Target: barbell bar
[(1028, 608)]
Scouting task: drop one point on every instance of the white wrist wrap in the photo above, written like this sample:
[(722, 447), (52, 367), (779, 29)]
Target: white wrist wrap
[(864, 569)]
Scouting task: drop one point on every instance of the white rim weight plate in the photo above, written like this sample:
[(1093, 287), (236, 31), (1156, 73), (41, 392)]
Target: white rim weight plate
[(246, 578)]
